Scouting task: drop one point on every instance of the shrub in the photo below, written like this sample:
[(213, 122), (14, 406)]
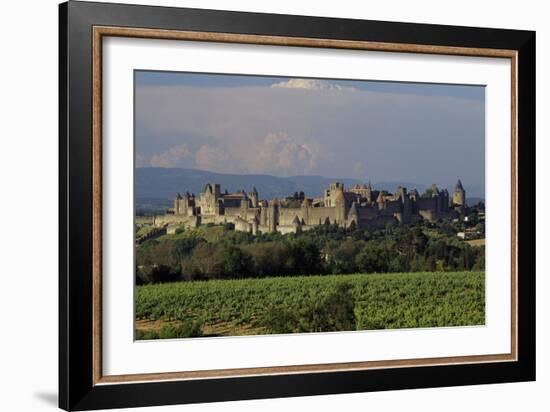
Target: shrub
[(187, 329), (157, 274), (333, 313), (372, 258), (341, 255), (269, 259), (231, 262)]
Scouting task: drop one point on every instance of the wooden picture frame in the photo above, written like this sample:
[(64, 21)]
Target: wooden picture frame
[(82, 385)]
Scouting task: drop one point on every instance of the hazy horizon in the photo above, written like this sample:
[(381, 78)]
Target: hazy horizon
[(281, 126), (290, 176)]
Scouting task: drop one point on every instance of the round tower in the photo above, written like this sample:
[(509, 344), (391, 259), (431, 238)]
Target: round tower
[(340, 204)]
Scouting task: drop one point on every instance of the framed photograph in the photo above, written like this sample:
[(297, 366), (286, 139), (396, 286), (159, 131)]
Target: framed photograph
[(256, 206)]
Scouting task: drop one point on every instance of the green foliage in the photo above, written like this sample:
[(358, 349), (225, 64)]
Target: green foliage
[(219, 252), (321, 303), (341, 255), (231, 262), (372, 258), (187, 329), (333, 312), (428, 193), (157, 274)]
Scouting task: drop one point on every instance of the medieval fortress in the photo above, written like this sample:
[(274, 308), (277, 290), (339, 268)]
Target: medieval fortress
[(360, 206)]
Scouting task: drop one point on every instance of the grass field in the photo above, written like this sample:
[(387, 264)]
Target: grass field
[(310, 304)]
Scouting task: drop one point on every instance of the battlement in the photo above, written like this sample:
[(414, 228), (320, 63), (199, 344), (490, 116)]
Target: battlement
[(360, 206)]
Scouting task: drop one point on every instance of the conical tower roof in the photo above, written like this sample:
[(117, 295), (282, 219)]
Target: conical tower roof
[(353, 209), (380, 198), (459, 185)]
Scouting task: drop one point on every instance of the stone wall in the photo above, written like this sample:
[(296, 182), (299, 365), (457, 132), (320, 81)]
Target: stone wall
[(162, 220), (249, 213), (145, 220)]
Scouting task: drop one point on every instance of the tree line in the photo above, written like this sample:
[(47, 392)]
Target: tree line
[(326, 249)]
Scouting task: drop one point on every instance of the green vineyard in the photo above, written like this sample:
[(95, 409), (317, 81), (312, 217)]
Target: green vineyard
[(310, 304)]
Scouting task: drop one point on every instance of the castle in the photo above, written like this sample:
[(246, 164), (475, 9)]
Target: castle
[(360, 206)]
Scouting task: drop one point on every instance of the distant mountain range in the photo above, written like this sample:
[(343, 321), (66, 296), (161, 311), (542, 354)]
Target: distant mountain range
[(163, 183)]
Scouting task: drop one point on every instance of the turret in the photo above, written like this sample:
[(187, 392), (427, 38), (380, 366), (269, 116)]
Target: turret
[(177, 201), (273, 214), (445, 202), (368, 194), (297, 224), (406, 200), (253, 197), (380, 201), (437, 197), (459, 195), (340, 204), (353, 215), (332, 193)]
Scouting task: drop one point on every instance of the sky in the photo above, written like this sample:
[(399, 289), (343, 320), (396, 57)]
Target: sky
[(282, 126)]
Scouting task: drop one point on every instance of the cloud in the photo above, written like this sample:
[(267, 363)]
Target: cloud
[(175, 156), (289, 131), (140, 161), (280, 152), (310, 84), (213, 158), (277, 153)]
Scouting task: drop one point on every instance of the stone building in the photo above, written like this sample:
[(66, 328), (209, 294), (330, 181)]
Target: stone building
[(361, 206)]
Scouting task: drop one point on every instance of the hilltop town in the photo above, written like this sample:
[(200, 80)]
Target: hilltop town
[(361, 206)]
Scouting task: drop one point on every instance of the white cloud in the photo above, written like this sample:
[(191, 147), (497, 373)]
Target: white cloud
[(284, 154), (175, 156), (310, 84), (140, 161), (213, 158), (324, 133)]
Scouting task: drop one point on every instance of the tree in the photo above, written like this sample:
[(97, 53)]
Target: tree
[(342, 255), (427, 193), (269, 258), (305, 256), (372, 259), (231, 262)]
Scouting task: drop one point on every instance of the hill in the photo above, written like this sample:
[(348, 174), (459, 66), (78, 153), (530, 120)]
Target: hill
[(163, 183)]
